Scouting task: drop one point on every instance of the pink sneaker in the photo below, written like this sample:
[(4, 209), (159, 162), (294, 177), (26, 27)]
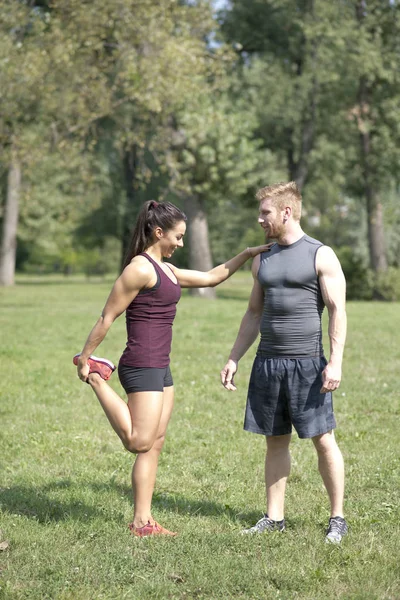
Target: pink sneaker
[(102, 366), (149, 529)]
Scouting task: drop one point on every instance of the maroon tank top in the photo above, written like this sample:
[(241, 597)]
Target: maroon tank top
[(149, 319)]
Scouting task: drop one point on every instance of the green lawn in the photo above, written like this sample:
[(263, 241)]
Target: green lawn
[(65, 496)]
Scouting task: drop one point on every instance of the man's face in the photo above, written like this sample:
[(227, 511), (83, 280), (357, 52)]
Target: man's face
[(271, 219)]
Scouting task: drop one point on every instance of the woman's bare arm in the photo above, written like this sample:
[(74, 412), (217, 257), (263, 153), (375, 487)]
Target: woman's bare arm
[(136, 276), (190, 278)]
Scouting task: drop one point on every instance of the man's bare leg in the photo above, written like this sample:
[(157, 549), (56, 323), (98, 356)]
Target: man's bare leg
[(331, 468), (277, 469)]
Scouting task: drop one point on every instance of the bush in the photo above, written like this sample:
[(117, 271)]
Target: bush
[(359, 278), (387, 285), (363, 283), (99, 261), (70, 260)]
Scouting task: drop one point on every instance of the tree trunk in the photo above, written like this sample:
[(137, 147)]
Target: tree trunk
[(130, 160), (376, 234), (199, 246), (298, 170), (10, 224)]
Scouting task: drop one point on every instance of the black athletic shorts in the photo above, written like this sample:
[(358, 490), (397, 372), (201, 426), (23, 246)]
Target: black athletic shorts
[(285, 392), (144, 379)]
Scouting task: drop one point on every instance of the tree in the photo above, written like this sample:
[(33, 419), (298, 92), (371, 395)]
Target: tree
[(326, 79), (291, 63), (10, 222), (90, 71), (40, 95), (19, 83), (215, 159), (376, 113)]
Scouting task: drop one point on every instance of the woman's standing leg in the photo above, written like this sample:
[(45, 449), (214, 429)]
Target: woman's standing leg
[(141, 425), (145, 468)]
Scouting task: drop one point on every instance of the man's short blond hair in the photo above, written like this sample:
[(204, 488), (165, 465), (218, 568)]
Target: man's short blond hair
[(283, 194)]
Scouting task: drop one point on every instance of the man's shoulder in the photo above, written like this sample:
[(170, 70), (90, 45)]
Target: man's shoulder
[(324, 254), (312, 241)]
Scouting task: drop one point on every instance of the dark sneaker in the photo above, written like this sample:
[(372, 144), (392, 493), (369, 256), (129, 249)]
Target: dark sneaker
[(265, 525), (102, 366), (148, 529), (337, 529)]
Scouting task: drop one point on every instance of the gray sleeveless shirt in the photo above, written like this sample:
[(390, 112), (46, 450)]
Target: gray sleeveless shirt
[(293, 305)]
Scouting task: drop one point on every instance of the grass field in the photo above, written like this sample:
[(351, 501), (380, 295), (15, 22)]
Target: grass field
[(65, 495)]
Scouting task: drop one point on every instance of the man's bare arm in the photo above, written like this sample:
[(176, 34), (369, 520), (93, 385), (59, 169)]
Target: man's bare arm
[(248, 330), (333, 288)]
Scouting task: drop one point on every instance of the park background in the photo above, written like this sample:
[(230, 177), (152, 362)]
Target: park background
[(103, 105)]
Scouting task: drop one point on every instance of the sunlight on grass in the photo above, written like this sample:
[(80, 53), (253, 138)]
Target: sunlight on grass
[(65, 495)]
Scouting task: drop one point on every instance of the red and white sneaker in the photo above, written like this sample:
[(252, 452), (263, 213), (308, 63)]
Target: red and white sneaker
[(149, 529), (102, 366)]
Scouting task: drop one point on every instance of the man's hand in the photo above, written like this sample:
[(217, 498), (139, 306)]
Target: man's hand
[(255, 250), (227, 374), (331, 377)]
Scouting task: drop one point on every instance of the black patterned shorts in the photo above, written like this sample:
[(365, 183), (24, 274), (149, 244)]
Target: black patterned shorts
[(285, 392)]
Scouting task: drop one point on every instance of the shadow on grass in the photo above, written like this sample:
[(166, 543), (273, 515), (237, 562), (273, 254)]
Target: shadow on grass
[(40, 504), (184, 505), (53, 502)]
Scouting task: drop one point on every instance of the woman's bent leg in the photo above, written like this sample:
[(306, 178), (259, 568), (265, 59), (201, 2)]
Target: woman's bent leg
[(145, 467), (136, 423)]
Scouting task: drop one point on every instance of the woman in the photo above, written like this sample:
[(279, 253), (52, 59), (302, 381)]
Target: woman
[(148, 290)]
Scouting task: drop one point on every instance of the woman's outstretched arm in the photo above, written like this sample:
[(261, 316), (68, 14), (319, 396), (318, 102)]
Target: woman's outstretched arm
[(188, 278)]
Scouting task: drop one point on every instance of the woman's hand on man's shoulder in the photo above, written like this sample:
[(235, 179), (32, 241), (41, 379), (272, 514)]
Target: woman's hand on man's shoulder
[(255, 250)]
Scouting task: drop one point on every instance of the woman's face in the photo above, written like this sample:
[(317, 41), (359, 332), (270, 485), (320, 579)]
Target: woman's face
[(172, 239)]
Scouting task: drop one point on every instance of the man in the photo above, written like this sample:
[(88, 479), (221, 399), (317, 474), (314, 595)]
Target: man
[(291, 382)]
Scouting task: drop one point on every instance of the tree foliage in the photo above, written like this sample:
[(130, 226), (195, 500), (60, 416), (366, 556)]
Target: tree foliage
[(325, 77), (81, 72), (105, 104)]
